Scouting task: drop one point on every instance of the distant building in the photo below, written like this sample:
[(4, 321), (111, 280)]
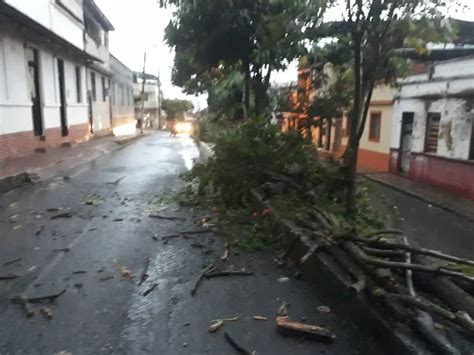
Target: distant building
[(433, 126), (154, 117)]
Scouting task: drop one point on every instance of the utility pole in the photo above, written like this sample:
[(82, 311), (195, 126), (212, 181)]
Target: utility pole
[(159, 99), (142, 121)]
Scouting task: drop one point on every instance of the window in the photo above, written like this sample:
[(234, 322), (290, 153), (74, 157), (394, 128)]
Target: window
[(375, 125), (93, 87), (104, 90), (78, 85), (432, 132)]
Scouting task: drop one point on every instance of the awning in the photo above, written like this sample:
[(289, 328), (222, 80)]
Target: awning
[(17, 23)]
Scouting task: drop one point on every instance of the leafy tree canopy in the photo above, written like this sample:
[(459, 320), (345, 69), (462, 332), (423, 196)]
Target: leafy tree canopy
[(175, 109)]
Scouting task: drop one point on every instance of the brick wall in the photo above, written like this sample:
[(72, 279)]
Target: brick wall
[(21, 144)]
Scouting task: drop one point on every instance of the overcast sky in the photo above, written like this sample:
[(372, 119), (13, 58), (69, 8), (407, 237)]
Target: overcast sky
[(139, 27)]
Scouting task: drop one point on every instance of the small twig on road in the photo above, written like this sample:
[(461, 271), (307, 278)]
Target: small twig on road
[(201, 231), (9, 277), (39, 231), (286, 326), (144, 274), (79, 272), (147, 292), (171, 218), (116, 182), (62, 215), (171, 236), (66, 250), (12, 261), (49, 298), (226, 273), (200, 277), (236, 345)]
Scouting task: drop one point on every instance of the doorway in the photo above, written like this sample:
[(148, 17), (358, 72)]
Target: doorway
[(406, 140), (34, 88), (62, 98)]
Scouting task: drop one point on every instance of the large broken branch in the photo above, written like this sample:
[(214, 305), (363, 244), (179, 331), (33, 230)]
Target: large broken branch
[(199, 278)]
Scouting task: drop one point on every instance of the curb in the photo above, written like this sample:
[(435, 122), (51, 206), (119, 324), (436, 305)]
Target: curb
[(320, 269), (420, 197), (32, 176)]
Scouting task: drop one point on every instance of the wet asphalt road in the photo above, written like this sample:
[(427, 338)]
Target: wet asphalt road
[(109, 236)]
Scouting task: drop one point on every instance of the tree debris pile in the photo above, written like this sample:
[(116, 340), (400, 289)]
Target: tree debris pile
[(429, 290)]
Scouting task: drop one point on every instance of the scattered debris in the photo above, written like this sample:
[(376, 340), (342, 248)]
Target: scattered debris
[(148, 291), (235, 345), (116, 182), (144, 274), (12, 261), (260, 318), (66, 250), (227, 273), (198, 245), (9, 277), (324, 309), (47, 312), (283, 310), (54, 209), (216, 325), (79, 272), (169, 218), (27, 306), (92, 229), (39, 231), (106, 278), (201, 231), (283, 279), (155, 238), (199, 278), (78, 285), (62, 215), (171, 236), (233, 319), (118, 220), (285, 326), (225, 255)]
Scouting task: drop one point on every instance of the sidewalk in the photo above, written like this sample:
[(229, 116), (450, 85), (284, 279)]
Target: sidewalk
[(41, 166), (432, 195)]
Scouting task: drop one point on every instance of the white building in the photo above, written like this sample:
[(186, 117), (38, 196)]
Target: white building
[(152, 96), (56, 75), (433, 126), (123, 103), (42, 87)]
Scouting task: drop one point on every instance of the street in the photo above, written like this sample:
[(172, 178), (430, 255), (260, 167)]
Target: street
[(88, 232)]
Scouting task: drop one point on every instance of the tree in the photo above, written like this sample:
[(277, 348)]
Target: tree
[(175, 109), (252, 36), (371, 31)]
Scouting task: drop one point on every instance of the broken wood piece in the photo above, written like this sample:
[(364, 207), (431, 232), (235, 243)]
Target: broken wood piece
[(283, 310), (227, 273), (233, 319), (260, 318), (39, 231), (47, 312), (310, 253), (225, 255), (148, 291), (12, 261), (5, 277), (201, 231), (286, 326), (62, 215), (200, 277), (144, 275), (239, 348), (383, 232), (79, 272), (106, 278), (169, 218), (216, 325), (171, 236)]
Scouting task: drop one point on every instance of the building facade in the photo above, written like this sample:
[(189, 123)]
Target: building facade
[(56, 76), (98, 74), (123, 104), (432, 136), (43, 87)]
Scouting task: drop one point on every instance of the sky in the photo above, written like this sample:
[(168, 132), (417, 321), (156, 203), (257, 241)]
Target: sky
[(139, 28)]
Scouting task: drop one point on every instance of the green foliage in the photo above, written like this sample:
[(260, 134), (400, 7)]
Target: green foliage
[(175, 109), (245, 153)]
